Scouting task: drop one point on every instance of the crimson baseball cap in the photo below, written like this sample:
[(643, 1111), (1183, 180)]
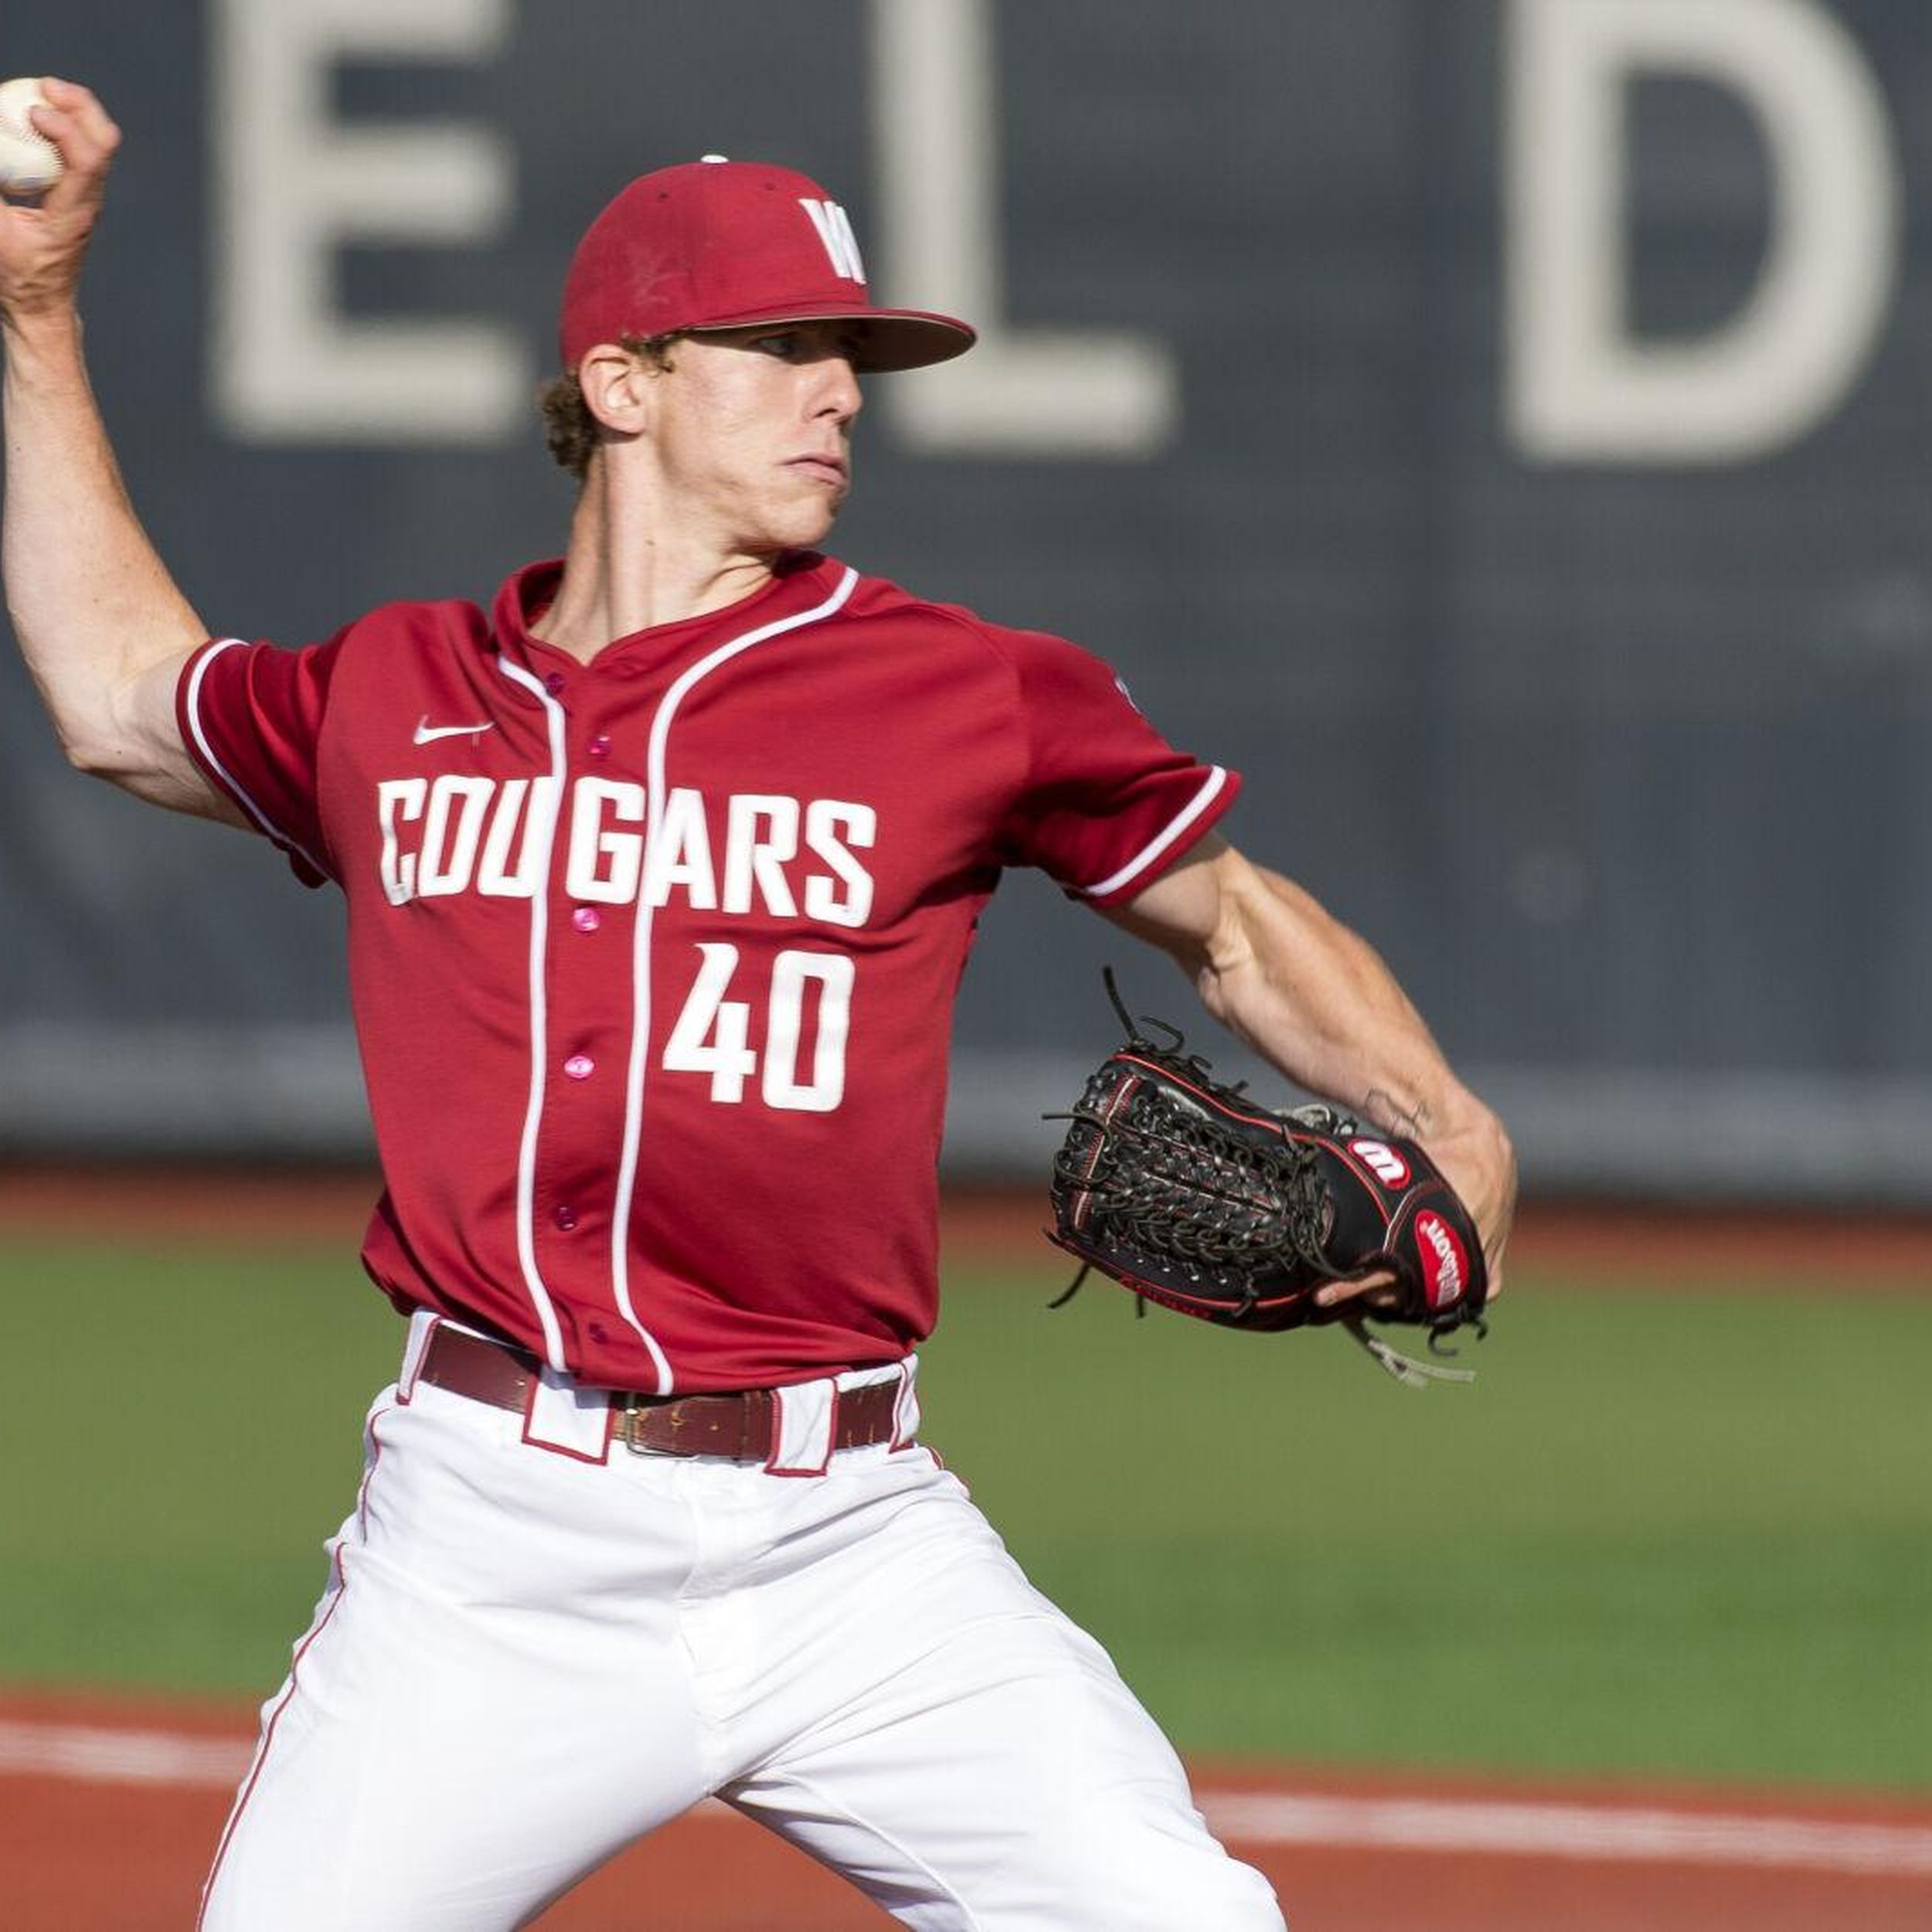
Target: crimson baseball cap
[(721, 244)]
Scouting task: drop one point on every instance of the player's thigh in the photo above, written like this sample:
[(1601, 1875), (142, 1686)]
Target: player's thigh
[(991, 1770), (468, 1726)]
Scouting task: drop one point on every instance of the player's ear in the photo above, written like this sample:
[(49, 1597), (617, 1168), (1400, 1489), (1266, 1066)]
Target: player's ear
[(616, 387)]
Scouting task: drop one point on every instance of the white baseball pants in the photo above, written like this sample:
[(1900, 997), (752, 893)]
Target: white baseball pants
[(525, 1660)]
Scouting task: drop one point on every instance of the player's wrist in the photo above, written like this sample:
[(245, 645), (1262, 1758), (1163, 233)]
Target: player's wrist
[(41, 333)]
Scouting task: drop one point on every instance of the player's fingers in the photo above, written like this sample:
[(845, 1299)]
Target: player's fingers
[(81, 129), (86, 147), (1498, 1241), (1337, 1293), (70, 97)]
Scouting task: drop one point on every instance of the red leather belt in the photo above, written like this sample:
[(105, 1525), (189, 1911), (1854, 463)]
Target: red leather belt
[(742, 1424)]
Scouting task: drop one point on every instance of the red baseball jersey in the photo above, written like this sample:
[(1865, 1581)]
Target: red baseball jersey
[(653, 960)]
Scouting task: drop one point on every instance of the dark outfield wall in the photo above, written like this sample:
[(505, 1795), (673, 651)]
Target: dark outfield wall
[(1500, 430)]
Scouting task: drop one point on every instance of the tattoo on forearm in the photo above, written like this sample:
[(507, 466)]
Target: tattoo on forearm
[(1384, 1111)]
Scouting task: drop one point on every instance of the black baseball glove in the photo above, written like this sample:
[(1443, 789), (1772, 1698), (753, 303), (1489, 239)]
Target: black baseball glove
[(1195, 1196)]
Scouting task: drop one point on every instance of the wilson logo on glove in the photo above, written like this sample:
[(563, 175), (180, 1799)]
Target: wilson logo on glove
[(1194, 1196), (1444, 1268), (1382, 1161)]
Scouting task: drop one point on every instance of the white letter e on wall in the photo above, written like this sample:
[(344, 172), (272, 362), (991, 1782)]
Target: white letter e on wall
[(292, 186)]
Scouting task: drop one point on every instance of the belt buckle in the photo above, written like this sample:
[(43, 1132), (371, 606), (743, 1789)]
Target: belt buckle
[(632, 1408)]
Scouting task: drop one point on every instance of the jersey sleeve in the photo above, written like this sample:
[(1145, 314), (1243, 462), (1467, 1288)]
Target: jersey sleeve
[(251, 716), (1107, 804)]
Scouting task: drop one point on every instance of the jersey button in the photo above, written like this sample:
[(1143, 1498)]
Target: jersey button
[(600, 746), (587, 918), (554, 684), (565, 1217), (580, 1066)]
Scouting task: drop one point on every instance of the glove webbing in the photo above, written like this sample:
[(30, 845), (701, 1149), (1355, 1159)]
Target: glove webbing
[(1268, 1194)]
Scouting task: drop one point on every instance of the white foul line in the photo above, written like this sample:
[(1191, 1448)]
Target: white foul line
[(93, 1754), (96, 1754), (1538, 1830)]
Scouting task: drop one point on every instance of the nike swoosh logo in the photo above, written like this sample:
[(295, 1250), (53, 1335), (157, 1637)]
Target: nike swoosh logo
[(427, 733)]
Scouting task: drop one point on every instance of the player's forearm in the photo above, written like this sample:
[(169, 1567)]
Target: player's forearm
[(92, 604), (1317, 1001)]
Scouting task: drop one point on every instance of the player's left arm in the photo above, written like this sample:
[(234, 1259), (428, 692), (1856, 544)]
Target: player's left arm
[(1318, 1002)]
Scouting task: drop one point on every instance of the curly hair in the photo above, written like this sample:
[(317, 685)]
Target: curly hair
[(570, 429)]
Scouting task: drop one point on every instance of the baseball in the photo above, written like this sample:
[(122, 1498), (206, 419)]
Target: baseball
[(30, 163)]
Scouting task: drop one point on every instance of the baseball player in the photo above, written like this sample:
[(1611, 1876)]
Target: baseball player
[(660, 873)]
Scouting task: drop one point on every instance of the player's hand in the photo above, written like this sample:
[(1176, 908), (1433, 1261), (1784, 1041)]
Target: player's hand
[(42, 244), (1478, 1161)]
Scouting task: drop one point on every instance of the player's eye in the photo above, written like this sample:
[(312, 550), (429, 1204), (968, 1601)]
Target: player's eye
[(787, 345)]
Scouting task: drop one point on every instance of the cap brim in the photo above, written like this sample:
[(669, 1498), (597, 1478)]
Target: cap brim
[(888, 339)]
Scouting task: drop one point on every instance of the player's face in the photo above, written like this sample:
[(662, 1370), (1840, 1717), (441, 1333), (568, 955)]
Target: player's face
[(752, 432)]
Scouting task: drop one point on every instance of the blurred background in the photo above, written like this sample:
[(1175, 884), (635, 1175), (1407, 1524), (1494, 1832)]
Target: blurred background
[(1498, 430)]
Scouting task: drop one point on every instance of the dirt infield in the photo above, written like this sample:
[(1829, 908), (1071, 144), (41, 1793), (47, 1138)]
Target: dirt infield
[(111, 1811)]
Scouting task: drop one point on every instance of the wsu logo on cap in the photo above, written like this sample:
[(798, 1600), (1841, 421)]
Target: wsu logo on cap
[(835, 230)]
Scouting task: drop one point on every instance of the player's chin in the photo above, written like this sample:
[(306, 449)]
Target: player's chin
[(805, 522)]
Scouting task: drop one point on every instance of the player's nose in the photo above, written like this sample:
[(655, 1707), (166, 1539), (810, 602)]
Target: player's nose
[(839, 395), (833, 386)]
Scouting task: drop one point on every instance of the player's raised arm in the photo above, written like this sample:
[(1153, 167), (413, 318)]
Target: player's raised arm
[(102, 624), (1317, 1001)]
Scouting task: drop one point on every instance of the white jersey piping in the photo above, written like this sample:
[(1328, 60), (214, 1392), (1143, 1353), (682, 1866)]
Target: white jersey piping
[(640, 962), (546, 798), (1149, 852), (221, 771)]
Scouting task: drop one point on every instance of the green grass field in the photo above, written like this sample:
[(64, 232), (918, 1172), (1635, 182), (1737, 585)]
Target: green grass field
[(1670, 1531)]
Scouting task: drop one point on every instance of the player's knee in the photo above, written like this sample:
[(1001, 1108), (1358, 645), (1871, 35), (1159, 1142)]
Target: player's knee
[(1200, 1888), (1232, 1897)]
